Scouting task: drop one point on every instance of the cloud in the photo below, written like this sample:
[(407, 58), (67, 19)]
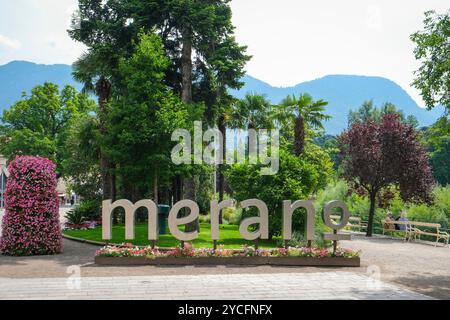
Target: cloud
[(9, 43)]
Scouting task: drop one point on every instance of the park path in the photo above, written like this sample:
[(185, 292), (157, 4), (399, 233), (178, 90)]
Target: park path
[(420, 267), (286, 286)]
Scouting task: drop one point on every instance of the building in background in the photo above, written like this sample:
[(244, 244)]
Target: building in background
[(3, 177)]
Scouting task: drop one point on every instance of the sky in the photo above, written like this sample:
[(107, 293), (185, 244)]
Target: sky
[(291, 41)]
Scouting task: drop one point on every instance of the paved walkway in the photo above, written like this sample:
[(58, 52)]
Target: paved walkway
[(295, 286), (419, 267)]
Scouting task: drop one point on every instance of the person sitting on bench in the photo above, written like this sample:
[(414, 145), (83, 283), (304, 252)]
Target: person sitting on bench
[(388, 221), (403, 217)]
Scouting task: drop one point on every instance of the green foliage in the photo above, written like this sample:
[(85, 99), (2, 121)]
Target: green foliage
[(39, 123), (437, 141), (90, 209), (330, 145), (143, 118), (81, 158), (369, 111), (75, 216), (433, 51), (86, 210), (335, 190), (299, 118), (297, 178), (204, 218), (437, 212), (251, 112)]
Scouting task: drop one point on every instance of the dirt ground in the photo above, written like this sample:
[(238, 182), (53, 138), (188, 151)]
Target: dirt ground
[(418, 266)]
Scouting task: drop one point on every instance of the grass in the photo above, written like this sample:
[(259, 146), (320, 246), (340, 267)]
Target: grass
[(229, 237)]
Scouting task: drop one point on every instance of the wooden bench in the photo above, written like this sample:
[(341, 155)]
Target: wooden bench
[(407, 231), (436, 232), (354, 223), (413, 230)]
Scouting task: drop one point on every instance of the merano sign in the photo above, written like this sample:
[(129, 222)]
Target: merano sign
[(262, 219)]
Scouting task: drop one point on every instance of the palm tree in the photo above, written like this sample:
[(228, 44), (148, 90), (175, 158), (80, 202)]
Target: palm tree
[(303, 112), (90, 70), (251, 112)]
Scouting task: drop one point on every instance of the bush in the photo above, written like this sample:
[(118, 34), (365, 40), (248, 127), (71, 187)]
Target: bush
[(90, 210), (87, 210), (31, 222), (298, 240), (204, 218), (232, 215), (425, 213), (74, 216), (297, 178)]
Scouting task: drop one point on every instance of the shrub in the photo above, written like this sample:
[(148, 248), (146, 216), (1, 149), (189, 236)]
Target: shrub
[(297, 178), (204, 218), (74, 216), (89, 210), (236, 217), (232, 215), (425, 213), (31, 222)]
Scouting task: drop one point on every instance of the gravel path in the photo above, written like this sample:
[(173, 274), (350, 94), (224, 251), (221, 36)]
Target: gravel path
[(420, 266)]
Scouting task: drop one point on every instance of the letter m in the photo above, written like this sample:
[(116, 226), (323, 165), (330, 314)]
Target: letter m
[(130, 210)]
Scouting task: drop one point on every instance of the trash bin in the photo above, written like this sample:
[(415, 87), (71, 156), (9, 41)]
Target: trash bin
[(163, 214)]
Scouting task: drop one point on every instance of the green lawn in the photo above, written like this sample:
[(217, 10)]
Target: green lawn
[(229, 237)]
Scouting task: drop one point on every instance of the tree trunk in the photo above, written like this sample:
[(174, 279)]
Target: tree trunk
[(186, 66), (299, 131), (103, 91), (189, 193), (106, 177), (220, 175), (373, 196), (186, 96), (155, 187), (113, 183)]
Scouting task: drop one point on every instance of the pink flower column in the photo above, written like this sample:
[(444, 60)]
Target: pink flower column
[(31, 221)]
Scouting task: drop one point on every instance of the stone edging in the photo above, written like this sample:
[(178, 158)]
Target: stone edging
[(97, 243), (279, 261)]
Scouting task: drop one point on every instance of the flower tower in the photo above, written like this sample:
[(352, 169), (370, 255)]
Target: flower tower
[(31, 221)]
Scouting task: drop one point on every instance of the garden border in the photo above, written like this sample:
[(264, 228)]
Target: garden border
[(215, 261)]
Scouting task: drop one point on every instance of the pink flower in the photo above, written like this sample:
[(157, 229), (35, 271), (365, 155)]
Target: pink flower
[(31, 221)]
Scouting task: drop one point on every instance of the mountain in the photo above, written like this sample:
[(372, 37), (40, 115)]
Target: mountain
[(343, 92), (21, 76)]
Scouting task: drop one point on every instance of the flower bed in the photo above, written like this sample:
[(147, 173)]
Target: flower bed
[(132, 255)]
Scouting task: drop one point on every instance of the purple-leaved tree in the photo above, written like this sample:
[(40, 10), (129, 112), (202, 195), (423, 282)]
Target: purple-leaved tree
[(377, 155)]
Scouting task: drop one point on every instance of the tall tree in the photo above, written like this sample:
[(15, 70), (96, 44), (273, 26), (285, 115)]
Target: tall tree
[(378, 155), (305, 113), (197, 37), (433, 51), (143, 118), (89, 69), (103, 27), (80, 162)]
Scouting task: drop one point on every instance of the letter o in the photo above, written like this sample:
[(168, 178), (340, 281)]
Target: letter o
[(327, 214)]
